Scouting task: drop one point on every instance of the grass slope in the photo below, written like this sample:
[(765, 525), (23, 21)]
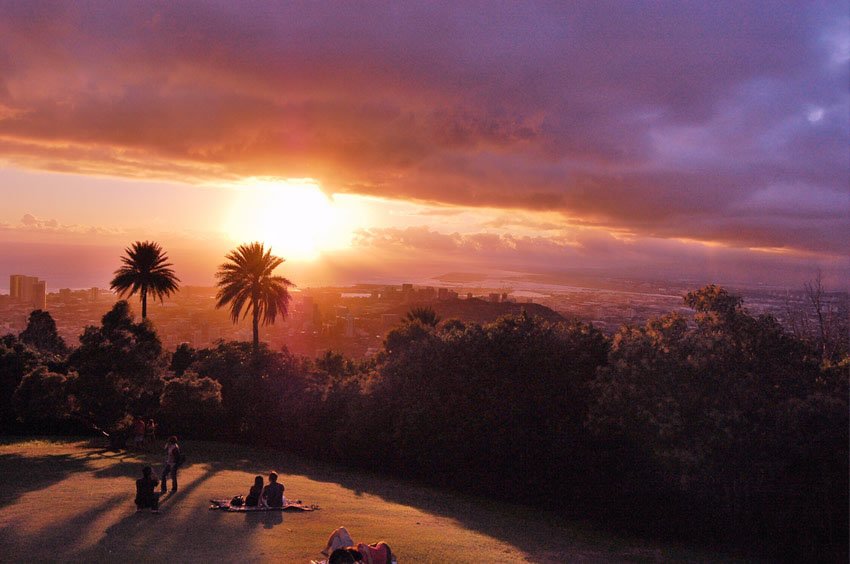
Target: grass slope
[(73, 501)]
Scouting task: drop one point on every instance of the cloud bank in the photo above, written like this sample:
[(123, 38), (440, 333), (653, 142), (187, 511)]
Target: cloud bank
[(723, 121)]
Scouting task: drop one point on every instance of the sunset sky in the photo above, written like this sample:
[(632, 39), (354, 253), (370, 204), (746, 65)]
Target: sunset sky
[(371, 141)]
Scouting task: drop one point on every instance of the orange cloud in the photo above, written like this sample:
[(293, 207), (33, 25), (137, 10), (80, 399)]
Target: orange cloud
[(663, 121)]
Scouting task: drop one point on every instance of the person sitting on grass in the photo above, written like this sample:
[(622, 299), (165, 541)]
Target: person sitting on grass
[(272, 495), (253, 499), (342, 550), (146, 497)]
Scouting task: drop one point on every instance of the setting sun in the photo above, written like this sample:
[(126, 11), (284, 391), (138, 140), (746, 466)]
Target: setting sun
[(294, 216)]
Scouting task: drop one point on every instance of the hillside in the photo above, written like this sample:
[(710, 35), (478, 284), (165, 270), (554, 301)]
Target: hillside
[(73, 501)]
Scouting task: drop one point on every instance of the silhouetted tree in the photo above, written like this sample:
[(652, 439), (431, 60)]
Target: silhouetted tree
[(16, 360), (146, 269), (246, 281), (41, 334), (453, 325), (255, 385), (720, 415), (823, 318), (183, 357), (191, 405), (120, 366), (398, 339), (480, 407), (425, 315), (42, 400)]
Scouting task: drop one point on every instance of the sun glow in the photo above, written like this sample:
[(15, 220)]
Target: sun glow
[(294, 216)]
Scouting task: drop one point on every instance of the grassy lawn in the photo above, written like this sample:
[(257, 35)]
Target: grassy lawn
[(73, 501)]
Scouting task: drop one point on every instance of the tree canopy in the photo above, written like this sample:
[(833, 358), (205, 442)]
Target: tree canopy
[(119, 366), (41, 334)]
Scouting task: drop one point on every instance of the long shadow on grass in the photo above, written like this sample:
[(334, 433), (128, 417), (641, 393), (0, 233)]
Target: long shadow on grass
[(176, 529), (24, 474), (541, 535), (21, 548)]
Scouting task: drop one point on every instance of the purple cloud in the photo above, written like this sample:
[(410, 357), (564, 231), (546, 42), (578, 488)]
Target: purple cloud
[(721, 121)]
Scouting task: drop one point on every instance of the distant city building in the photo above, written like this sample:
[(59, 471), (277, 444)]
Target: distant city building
[(427, 294), (444, 294), (28, 290), (39, 295), (16, 282)]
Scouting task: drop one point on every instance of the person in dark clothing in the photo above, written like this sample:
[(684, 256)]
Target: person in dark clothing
[(172, 461), (345, 556), (273, 493), (146, 497), (253, 499)]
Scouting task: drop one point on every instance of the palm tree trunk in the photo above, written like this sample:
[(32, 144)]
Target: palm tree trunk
[(256, 320), (144, 303)]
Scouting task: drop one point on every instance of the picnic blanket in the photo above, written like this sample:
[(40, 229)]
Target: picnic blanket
[(224, 505)]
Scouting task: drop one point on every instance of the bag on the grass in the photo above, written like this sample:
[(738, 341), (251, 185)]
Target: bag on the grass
[(237, 501)]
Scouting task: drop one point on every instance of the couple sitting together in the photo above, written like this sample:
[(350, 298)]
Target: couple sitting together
[(266, 496)]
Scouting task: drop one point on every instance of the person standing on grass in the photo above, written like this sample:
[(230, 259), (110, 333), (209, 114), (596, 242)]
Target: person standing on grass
[(273, 493), (150, 432), (146, 497), (172, 461), (138, 432)]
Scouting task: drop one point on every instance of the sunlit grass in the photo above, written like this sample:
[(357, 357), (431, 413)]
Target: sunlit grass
[(73, 500)]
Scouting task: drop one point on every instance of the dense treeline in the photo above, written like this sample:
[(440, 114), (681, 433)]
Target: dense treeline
[(722, 426)]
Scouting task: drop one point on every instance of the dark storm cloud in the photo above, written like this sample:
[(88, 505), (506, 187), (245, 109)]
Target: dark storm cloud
[(722, 121)]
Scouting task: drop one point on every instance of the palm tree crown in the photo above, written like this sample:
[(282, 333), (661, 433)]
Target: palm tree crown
[(146, 269), (425, 315), (246, 281)]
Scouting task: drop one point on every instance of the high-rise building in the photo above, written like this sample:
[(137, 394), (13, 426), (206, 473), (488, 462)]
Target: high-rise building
[(28, 290), (39, 294), (15, 283)]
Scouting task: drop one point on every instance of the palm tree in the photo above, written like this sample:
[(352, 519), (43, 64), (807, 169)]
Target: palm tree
[(425, 315), (247, 281), (146, 269)]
